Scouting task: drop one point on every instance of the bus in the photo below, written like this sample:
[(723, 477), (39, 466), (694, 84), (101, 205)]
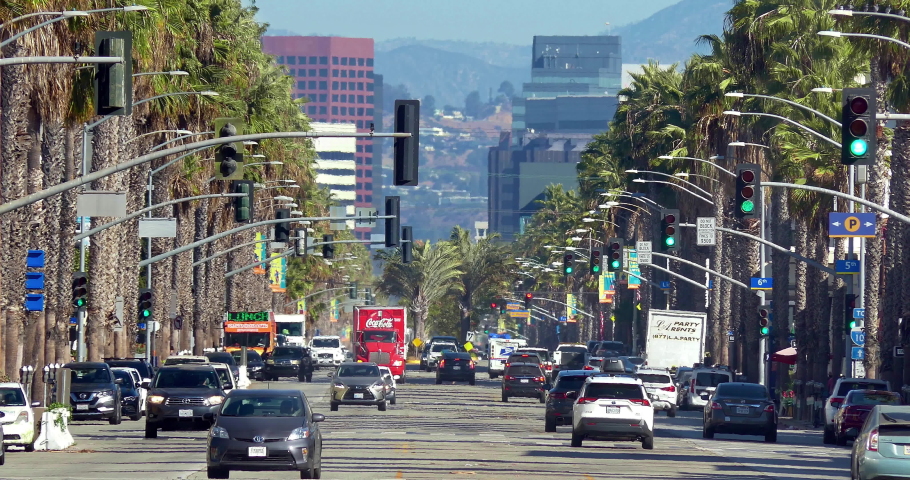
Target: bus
[(254, 330)]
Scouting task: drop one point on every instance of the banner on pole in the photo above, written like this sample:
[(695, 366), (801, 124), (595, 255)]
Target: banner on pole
[(261, 250)]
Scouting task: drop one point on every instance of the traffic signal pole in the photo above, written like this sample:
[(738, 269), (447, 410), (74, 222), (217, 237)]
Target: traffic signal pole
[(700, 267), (290, 252)]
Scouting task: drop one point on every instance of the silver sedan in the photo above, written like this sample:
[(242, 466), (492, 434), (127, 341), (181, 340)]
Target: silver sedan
[(357, 384)]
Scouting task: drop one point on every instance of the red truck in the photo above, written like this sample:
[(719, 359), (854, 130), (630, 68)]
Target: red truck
[(379, 336)]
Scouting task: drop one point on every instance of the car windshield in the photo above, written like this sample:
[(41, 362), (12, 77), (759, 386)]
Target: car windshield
[(526, 358), (125, 376), (874, 398), (380, 336), (358, 371), (270, 406), (220, 357), (11, 397), (443, 347), (90, 375), (750, 392), (581, 350), (524, 371), (613, 390), (706, 379), (570, 382), (845, 387), (286, 352), (177, 378), (325, 343), (251, 356), (290, 328), (654, 378), (183, 360)]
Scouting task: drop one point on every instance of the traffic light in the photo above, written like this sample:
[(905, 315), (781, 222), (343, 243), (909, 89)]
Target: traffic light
[(80, 289), (352, 291), (502, 307), (748, 191), (568, 263), (615, 254), (368, 296), (392, 225), (529, 297), (669, 229), (407, 120), (145, 305), (407, 242), (114, 81), (283, 229), (849, 305), (328, 248), (595, 265), (229, 156), (494, 305), (764, 319), (243, 206), (858, 126), (300, 243)]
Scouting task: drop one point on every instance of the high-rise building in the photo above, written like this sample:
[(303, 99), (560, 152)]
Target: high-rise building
[(336, 169), (335, 75)]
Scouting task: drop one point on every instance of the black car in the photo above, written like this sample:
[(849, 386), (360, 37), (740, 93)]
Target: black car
[(740, 408), (455, 366), (146, 370), (254, 363), (289, 362), (570, 360), (94, 392), (131, 399), (559, 403), (225, 357), (610, 348), (181, 396), (524, 380), (269, 430)]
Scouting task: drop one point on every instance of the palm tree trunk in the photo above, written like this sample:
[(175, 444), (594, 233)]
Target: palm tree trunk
[(54, 160), (716, 341), (66, 250), (199, 278), (821, 316), (781, 234), (897, 260), (800, 240)]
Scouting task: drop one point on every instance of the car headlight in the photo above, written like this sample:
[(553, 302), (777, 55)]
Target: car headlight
[(338, 385), (299, 433), (270, 362), (397, 363), (22, 418), (156, 399), (295, 362), (214, 400), (218, 432), (129, 399), (106, 393)]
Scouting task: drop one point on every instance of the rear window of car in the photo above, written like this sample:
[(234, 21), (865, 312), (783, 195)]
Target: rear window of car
[(526, 358), (845, 387), (654, 378), (11, 397), (221, 357), (613, 390), (706, 379), (755, 392), (543, 355), (895, 418), (443, 348), (573, 349), (570, 382), (456, 356), (873, 398), (524, 371)]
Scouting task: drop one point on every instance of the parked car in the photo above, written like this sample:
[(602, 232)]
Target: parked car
[(145, 369), (559, 401), (524, 380), (18, 419), (660, 388), (841, 387), (742, 409), (456, 366), (94, 392), (254, 363), (613, 408), (181, 396), (882, 449), (856, 406), (391, 386), (131, 401), (357, 384), (265, 430)]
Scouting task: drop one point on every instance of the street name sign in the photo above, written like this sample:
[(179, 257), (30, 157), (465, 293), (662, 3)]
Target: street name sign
[(847, 267), (851, 224), (761, 283)]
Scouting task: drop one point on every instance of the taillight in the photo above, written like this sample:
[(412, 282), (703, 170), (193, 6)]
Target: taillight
[(541, 379), (549, 367), (588, 367), (641, 401), (442, 363), (583, 400), (770, 408), (716, 406), (836, 401), (692, 386), (508, 377), (559, 395), (471, 364), (872, 442), (671, 388)]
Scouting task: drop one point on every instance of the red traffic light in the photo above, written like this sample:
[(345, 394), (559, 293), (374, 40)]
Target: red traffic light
[(763, 322), (859, 105), (493, 305), (670, 219), (747, 192), (529, 296), (763, 313), (670, 231)]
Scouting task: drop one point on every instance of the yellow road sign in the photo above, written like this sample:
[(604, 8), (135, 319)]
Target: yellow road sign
[(468, 346), (417, 342)]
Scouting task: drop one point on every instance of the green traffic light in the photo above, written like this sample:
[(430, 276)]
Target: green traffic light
[(853, 324), (146, 313), (670, 241), (858, 147), (596, 268), (614, 264), (748, 206), (80, 303), (765, 330), (568, 269)]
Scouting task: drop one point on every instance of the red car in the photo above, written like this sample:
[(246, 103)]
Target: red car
[(852, 413)]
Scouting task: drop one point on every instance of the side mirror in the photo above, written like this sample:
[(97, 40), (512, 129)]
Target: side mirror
[(36, 404), (318, 417), (209, 416), (118, 381), (145, 384)]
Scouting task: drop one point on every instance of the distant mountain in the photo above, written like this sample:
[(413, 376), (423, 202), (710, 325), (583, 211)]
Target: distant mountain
[(669, 35), (448, 76), (501, 54)]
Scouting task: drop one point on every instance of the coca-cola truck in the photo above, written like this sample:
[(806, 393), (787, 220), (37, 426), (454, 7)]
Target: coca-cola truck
[(379, 336)]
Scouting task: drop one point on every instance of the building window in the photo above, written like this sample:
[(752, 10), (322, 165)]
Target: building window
[(370, 97), (359, 123), (344, 74), (369, 173), (334, 85), (368, 186), (323, 111), (292, 72), (312, 85), (312, 61), (358, 161), (301, 85), (344, 60), (368, 198), (369, 87), (334, 110), (352, 61), (369, 112), (334, 60), (311, 110), (369, 62), (368, 148), (359, 112), (359, 186), (359, 148), (280, 59), (301, 72), (344, 85), (292, 60), (369, 74), (359, 199), (323, 85), (359, 85), (324, 72), (323, 97), (359, 98), (344, 110), (323, 60), (312, 72), (301, 60), (360, 74), (359, 173), (334, 73), (334, 98), (360, 62), (368, 161), (352, 73)]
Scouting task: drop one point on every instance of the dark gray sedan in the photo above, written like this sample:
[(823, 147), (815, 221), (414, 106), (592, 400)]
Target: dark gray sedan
[(265, 430), (740, 408)]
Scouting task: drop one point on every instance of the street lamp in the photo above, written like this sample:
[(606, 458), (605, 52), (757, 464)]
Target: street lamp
[(687, 175), (709, 162), (641, 180), (743, 144), (788, 102), (832, 33), (899, 15), (671, 176), (262, 163), (179, 132), (736, 113)]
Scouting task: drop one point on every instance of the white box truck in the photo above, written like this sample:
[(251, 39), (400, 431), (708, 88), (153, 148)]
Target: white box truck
[(675, 338)]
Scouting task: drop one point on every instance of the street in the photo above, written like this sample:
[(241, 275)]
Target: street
[(447, 431)]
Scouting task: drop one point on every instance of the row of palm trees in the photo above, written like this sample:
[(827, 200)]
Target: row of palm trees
[(767, 47), (42, 111)]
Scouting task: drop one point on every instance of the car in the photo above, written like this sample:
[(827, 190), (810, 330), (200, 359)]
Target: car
[(841, 387), (559, 405), (327, 351), (224, 374), (131, 401), (569, 357), (660, 388), (265, 430), (294, 362), (683, 376), (609, 348), (617, 365), (741, 409), (702, 383), (425, 352), (456, 366), (181, 396), (390, 385), (435, 351), (94, 392), (545, 358), (145, 369), (524, 380), (186, 359), (594, 363), (254, 363), (612, 408), (225, 357), (882, 449), (638, 362), (18, 420), (357, 383), (3, 444), (855, 408)]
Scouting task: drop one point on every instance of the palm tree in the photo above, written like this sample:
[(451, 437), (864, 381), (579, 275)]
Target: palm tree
[(484, 265)]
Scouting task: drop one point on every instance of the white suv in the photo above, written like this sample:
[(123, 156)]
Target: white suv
[(613, 408), (661, 389), (326, 351), (841, 388)]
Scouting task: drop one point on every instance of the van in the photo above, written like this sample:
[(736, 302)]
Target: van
[(702, 383)]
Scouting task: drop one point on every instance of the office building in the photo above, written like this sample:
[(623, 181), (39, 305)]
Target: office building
[(336, 167)]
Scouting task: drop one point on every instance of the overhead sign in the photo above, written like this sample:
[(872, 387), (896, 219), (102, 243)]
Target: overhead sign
[(665, 284), (158, 228), (761, 283), (95, 203), (858, 335), (857, 353), (847, 267), (644, 252), (851, 224), (706, 231), (859, 313)]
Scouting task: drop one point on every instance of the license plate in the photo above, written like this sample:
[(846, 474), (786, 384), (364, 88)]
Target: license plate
[(82, 406), (358, 395), (612, 410), (906, 449), (257, 452), (524, 380), (456, 367), (185, 413), (742, 410)]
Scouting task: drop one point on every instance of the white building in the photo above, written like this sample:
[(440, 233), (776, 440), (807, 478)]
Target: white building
[(335, 165)]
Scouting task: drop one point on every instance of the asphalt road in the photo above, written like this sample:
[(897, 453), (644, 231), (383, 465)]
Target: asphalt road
[(452, 431)]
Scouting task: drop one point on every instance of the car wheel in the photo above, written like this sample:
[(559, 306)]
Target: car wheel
[(116, 419), (402, 379), (392, 401), (648, 443), (30, 447), (308, 473), (671, 412), (505, 398), (150, 431), (136, 417), (215, 472), (309, 378), (577, 439), (840, 440), (438, 380), (828, 436), (333, 406), (707, 432), (543, 397), (382, 406), (771, 436), (549, 424), (3, 455), (472, 381)]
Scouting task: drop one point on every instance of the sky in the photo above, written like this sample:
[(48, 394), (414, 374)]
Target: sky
[(502, 21)]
